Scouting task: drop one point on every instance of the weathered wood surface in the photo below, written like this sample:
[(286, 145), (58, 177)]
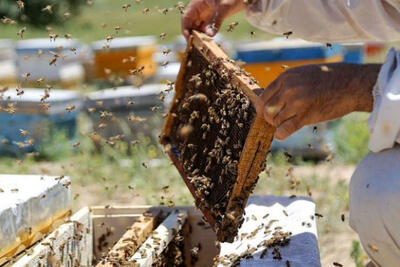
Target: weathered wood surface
[(69, 245), (159, 240), (130, 241)]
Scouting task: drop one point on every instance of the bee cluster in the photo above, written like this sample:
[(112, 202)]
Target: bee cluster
[(212, 121)]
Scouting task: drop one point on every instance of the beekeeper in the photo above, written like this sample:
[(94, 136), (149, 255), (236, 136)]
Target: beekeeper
[(310, 94)]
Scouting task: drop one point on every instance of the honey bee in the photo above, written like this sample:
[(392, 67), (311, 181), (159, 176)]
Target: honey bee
[(163, 35), (68, 36), (21, 32), (145, 10), (337, 264), (287, 34), (48, 9), (70, 108), (126, 6), (165, 63), (232, 26), (67, 15), (21, 5), (373, 248), (53, 36), (166, 51)]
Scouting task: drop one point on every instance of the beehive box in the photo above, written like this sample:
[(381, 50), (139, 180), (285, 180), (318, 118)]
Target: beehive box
[(278, 231), (215, 135), (34, 56), (8, 67), (121, 56), (30, 207), (265, 60), (25, 110)]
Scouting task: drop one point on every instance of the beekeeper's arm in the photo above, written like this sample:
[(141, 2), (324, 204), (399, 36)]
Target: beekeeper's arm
[(344, 21)]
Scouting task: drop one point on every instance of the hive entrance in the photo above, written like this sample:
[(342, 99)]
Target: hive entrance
[(214, 136)]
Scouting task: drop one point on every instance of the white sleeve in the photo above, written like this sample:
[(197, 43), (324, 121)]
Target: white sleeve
[(329, 20), (384, 122)]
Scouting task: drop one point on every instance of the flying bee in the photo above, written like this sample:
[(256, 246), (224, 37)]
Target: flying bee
[(109, 38), (70, 108), (144, 164), (21, 32), (48, 8), (68, 36), (21, 5), (163, 35), (76, 144), (166, 51), (23, 132), (287, 34), (145, 10), (126, 6), (165, 63), (232, 26), (53, 36), (67, 15)]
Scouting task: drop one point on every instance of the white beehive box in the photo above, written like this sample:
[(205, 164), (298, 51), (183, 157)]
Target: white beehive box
[(30, 206), (67, 71)]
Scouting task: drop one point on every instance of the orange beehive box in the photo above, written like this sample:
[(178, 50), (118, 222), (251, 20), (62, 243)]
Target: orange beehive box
[(121, 56)]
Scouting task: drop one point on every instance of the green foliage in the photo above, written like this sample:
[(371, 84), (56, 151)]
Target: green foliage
[(351, 138), (33, 12), (54, 145), (357, 255)]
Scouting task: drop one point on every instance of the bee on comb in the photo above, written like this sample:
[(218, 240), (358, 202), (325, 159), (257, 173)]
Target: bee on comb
[(215, 134)]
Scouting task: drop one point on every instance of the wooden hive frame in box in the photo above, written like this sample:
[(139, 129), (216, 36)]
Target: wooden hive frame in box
[(250, 132)]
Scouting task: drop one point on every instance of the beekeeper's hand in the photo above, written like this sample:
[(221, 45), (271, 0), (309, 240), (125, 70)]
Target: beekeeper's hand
[(315, 93), (208, 15)]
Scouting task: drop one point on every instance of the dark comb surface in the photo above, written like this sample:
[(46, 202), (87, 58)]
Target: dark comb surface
[(212, 121)]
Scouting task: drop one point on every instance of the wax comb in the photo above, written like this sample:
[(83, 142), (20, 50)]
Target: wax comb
[(214, 135)]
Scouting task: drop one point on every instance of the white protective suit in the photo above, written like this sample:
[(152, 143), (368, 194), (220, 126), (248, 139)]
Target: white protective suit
[(375, 185)]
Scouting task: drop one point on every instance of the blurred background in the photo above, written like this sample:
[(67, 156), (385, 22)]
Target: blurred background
[(84, 86)]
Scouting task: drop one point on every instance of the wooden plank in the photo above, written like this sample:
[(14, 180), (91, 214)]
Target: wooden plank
[(129, 242), (159, 240), (69, 245)]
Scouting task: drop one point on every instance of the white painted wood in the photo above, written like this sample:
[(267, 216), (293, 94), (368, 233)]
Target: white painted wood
[(71, 244), (27, 203), (295, 215), (165, 232)]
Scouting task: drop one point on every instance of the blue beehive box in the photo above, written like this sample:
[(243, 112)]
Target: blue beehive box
[(353, 53), (27, 112)]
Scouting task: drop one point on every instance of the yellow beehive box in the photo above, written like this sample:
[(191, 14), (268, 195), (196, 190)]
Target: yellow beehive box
[(267, 59), (121, 56)]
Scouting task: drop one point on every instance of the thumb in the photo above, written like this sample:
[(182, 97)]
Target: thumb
[(287, 128)]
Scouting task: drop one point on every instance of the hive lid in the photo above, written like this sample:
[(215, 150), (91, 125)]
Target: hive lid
[(30, 100), (125, 42), (33, 45)]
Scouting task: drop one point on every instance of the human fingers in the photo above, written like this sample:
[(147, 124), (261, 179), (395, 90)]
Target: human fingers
[(287, 128), (198, 14)]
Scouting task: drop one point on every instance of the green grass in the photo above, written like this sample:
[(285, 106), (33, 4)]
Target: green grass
[(87, 25)]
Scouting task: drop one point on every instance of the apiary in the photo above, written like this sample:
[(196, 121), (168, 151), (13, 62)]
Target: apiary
[(30, 207), (125, 56), (8, 68), (265, 60), (27, 112), (214, 134), (278, 231), (56, 61)]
